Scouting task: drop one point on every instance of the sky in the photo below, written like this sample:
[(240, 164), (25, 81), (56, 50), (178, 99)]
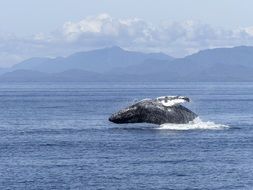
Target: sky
[(52, 28)]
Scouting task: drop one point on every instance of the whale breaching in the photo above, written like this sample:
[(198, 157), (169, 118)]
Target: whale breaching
[(165, 109)]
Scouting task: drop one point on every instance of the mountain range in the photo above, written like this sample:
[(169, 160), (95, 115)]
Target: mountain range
[(101, 60), (117, 64)]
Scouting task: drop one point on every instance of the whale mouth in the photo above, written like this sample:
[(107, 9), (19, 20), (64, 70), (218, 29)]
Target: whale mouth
[(111, 119), (115, 118), (196, 124), (126, 115)]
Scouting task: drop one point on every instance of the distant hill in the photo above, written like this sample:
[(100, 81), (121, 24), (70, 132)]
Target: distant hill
[(23, 76), (213, 65), (221, 64), (100, 60)]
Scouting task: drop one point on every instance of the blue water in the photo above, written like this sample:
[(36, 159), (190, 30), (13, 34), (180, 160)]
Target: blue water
[(57, 136)]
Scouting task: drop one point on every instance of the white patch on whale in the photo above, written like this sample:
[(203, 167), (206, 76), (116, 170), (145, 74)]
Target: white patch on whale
[(169, 101), (196, 124)]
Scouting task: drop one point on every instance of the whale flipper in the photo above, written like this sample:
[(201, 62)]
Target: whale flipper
[(169, 101)]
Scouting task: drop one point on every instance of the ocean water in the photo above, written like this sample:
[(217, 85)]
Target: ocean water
[(57, 136)]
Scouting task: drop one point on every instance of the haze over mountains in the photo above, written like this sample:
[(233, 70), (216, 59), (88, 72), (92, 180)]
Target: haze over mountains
[(101, 60), (116, 64)]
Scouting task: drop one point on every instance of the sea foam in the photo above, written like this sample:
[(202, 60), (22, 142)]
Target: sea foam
[(194, 125)]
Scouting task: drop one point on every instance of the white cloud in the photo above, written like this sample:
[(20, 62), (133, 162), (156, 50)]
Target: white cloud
[(104, 30), (175, 38)]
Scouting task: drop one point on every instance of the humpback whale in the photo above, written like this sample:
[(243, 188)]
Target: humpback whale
[(165, 109)]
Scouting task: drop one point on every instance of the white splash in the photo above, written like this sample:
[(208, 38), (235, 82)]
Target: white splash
[(196, 124)]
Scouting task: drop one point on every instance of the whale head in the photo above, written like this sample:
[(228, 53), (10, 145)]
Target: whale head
[(127, 115)]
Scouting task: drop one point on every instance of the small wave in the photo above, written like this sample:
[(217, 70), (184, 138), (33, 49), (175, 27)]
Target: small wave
[(193, 125)]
